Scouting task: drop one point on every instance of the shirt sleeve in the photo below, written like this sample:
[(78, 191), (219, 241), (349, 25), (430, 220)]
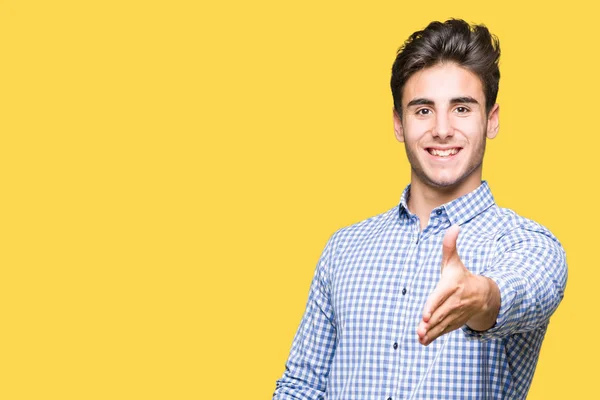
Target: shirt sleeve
[(308, 364), (530, 270)]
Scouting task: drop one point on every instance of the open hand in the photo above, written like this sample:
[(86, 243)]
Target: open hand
[(459, 298)]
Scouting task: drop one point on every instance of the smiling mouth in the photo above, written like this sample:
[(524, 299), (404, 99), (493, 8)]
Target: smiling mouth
[(443, 152)]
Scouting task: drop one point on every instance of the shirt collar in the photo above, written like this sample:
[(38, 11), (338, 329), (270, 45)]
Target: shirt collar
[(458, 210)]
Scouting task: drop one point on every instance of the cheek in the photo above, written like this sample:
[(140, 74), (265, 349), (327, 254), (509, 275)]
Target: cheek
[(415, 130), (474, 129), (469, 124)]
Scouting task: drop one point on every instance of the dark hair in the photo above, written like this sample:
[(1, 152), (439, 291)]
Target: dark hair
[(470, 46)]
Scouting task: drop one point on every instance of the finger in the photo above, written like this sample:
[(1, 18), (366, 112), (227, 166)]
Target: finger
[(449, 244), (443, 314), (447, 325), (429, 337), (440, 330), (422, 329), (437, 298)]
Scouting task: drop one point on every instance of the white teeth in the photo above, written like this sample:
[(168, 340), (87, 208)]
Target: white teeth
[(443, 153)]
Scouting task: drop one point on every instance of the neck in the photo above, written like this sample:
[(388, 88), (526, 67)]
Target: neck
[(424, 198)]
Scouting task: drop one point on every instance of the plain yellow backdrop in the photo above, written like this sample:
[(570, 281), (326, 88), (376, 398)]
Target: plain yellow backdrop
[(170, 172)]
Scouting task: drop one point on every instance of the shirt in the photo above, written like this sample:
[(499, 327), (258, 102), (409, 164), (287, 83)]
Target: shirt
[(357, 338)]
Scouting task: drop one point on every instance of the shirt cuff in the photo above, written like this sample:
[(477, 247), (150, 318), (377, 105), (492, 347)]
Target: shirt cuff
[(511, 287)]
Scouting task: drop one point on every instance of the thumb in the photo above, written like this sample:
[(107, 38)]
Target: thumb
[(449, 245)]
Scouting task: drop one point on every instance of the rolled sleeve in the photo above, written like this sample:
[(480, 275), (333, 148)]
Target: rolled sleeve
[(530, 270)]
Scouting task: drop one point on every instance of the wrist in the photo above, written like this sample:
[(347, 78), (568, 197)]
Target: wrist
[(489, 304)]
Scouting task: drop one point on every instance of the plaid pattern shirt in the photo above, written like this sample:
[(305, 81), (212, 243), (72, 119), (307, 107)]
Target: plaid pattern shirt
[(357, 338)]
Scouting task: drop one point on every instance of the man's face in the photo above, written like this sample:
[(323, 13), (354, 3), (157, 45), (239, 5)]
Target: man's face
[(444, 126)]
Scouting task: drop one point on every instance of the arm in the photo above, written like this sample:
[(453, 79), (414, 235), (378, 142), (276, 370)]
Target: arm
[(518, 293), (307, 367), (530, 271)]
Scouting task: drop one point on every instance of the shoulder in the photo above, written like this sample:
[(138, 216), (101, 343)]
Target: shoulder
[(351, 235), (510, 228)]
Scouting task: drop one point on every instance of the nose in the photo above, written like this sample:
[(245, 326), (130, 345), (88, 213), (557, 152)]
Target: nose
[(443, 127)]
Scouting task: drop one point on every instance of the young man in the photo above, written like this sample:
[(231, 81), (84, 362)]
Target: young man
[(447, 295)]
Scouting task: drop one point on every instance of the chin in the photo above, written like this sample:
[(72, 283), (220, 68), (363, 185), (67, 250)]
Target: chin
[(441, 180), (443, 183)]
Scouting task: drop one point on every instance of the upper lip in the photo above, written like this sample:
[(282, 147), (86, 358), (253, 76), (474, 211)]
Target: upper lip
[(443, 148)]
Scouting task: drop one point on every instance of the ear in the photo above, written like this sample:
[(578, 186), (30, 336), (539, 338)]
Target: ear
[(398, 129), (493, 123)]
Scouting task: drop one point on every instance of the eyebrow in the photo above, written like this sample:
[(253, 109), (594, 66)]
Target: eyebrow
[(464, 100), (455, 100)]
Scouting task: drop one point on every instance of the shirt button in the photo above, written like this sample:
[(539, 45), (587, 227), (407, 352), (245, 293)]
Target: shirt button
[(439, 212), (403, 291), (395, 346)]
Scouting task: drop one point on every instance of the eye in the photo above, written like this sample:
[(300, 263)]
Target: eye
[(461, 109), (423, 111)]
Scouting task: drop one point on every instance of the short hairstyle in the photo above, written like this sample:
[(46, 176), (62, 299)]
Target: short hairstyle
[(470, 46)]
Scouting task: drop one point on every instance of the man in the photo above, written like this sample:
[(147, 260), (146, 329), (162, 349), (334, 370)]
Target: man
[(447, 295)]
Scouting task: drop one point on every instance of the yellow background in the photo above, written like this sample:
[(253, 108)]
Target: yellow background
[(170, 172)]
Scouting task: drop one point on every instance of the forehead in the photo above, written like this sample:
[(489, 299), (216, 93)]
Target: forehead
[(443, 82)]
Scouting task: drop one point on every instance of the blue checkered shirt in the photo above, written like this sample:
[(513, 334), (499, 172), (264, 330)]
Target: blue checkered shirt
[(357, 338)]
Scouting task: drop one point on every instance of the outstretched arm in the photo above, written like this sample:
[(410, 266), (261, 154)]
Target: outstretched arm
[(518, 293)]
